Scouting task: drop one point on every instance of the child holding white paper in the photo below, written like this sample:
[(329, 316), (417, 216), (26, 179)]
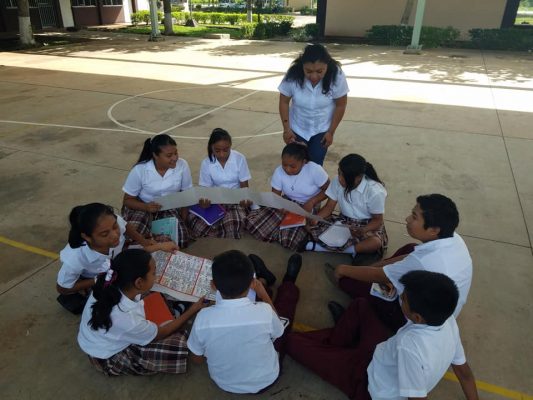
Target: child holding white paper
[(114, 331), (360, 195), (227, 168), (158, 172), (298, 180)]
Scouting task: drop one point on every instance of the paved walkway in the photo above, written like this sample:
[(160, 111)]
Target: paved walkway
[(73, 119)]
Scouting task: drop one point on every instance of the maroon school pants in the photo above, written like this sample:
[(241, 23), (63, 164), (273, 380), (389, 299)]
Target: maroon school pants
[(340, 355), (285, 304), (390, 312)]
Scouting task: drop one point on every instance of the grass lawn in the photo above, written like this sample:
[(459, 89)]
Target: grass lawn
[(181, 30), (520, 20)]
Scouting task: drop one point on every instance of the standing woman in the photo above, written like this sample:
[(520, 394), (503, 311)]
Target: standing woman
[(158, 172), (312, 100)]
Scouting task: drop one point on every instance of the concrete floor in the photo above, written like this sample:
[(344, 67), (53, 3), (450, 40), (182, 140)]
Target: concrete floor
[(458, 122)]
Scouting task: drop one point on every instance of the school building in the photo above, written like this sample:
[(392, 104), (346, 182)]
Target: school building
[(52, 14), (352, 18)]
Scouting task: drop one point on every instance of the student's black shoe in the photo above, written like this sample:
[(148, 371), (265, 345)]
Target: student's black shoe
[(336, 310), (366, 258), (261, 269), (293, 268), (72, 302)]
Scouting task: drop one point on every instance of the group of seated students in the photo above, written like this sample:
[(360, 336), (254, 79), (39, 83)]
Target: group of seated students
[(376, 349)]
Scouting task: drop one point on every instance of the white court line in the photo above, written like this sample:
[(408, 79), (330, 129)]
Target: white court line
[(208, 112), (73, 126), (130, 131)]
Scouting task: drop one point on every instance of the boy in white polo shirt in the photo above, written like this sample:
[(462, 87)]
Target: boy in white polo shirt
[(236, 335), (432, 221), (409, 364)]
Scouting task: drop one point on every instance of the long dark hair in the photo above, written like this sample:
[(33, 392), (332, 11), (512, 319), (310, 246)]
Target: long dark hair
[(217, 135), (83, 219), (353, 165), (313, 53), (127, 267), (153, 146), (296, 150)]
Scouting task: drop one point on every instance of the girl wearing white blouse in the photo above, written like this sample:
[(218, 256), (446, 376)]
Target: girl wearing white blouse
[(158, 172), (312, 100), (299, 180), (226, 168), (360, 195), (114, 331)]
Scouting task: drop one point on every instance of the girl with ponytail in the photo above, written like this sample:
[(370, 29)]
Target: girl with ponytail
[(360, 195), (96, 236), (114, 331), (158, 172)]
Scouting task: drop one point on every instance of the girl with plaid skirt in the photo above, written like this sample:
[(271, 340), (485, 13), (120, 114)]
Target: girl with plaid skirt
[(360, 195), (158, 172), (226, 168), (96, 235), (299, 180), (114, 331)]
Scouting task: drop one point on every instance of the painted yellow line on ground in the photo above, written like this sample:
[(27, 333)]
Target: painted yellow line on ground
[(28, 248), (490, 388), (298, 327)]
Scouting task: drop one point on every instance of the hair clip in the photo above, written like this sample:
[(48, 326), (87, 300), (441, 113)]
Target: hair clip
[(110, 277)]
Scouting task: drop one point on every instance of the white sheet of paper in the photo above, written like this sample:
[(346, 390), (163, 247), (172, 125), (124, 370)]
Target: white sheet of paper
[(336, 235)]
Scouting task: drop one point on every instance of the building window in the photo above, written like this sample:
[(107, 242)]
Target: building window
[(83, 3), (112, 2)]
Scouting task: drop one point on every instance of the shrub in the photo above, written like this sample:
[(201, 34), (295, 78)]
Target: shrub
[(312, 30), (232, 19), (217, 18), (305, 10), (135, 18), (502, 39), (177, 8), (202, 17), (180, 16), (299, 35), (397, 35), (247, 30)]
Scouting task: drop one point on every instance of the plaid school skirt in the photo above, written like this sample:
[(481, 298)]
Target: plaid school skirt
[(230, 226), (263, 224), (381, 233), (167, 355), (142, 221)]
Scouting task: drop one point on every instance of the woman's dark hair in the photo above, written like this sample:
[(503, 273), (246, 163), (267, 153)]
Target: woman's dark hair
[(296, 150), (232, 273), (431, 294), (353, 165), (83, 219), (127, 267), (153, 146), (313, 53), (439, 212), (217, 135)]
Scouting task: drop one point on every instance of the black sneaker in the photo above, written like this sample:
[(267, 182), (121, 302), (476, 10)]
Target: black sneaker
[(261, 269), (74, 302)]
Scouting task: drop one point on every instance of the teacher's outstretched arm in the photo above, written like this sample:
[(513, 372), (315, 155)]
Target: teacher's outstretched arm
[(340, 108), (288, 134)]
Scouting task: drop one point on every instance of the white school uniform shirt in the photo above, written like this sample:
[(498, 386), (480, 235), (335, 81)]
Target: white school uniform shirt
[(448, 256), (86, 262), (145, 182), (412, 362), (366, 199), (235, 171), (303, 186), (130, 326), (236, 336), (310, 111)]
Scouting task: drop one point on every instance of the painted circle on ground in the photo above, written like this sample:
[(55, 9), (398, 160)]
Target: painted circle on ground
[(145, 132)]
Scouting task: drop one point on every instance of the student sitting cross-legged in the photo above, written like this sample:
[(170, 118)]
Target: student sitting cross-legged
[(356, 356), (114, 331), (433, 221), (241, 339)]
